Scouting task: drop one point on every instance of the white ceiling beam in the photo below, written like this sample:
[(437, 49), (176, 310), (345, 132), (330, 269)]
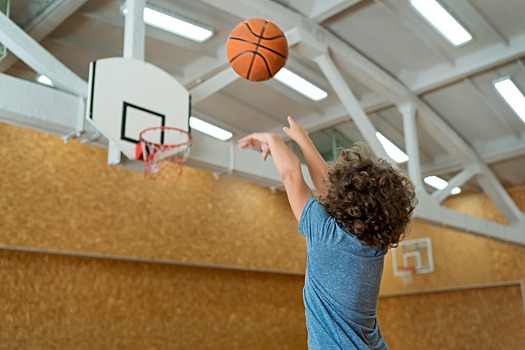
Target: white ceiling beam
[(492, 155), (45, 23), (50, 110), (202, 68), (38, 58), (441, 132), (221, 157), (468, 65), (348, 99), (333, 115), (376, 79), (323, 10), (320, 11), (464, 67), (429, 210), (213, 85), (498, 195), (408, 111)]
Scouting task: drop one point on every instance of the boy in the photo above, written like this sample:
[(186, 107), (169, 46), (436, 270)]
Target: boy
[(363, 209)]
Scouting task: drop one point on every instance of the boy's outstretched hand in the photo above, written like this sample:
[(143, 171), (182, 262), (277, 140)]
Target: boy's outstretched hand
[(258, 141), (296, 132)]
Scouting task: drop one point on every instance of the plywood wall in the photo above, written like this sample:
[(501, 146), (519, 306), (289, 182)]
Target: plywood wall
[(63, 302), (66, 198), (475, 319)]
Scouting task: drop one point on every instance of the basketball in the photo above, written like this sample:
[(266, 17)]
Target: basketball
[(257, 49)]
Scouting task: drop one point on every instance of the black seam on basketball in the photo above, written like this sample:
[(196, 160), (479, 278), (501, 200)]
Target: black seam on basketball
[(265, 63), (261, 35), (263, 46), (256, 48), (254, 54), (240, 54)]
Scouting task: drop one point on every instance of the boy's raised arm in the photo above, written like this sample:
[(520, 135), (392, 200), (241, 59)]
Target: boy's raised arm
[(287, 165), (314, 161)]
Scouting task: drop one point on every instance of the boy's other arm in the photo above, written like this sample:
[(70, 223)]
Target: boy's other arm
[(314, 161), (287, 165)]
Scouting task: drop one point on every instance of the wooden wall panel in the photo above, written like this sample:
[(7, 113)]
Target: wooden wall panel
[(64, 302), (476, 319), (66, 198)]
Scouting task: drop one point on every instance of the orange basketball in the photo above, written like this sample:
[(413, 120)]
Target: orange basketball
[(257, 49)]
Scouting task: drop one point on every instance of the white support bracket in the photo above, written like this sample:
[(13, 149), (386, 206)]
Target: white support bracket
[(50, 110), (134, 38), (499, 196), (134, 30), (73, 134), (457, 181), (408, 110), (231, 162)]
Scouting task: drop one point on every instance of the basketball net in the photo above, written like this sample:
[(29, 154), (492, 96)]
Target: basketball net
[(163, 150)]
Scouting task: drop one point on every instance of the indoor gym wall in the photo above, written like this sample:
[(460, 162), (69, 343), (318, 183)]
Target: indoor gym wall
[(65, 199)]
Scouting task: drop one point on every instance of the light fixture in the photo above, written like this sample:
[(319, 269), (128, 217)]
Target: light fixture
[(174, 23), (42, 79), (210, 129), (439, 184), (392, 150), (301, 85), (442, 21), (512, 95)]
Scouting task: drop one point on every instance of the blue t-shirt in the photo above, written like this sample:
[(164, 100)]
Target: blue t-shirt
[(341, 285)]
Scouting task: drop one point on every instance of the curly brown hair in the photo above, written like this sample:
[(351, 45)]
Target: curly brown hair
[(368, 197)]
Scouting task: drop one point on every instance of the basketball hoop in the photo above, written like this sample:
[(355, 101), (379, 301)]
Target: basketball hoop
[(164, 150), (407, 274)]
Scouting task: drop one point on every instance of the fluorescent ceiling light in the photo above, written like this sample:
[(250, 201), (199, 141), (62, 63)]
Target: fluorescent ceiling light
[(174, 23), (455, 190), (442, 21), (42, 79), (392, 150), (210, 129), (300, 85), (439, 184), (512, 95)]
